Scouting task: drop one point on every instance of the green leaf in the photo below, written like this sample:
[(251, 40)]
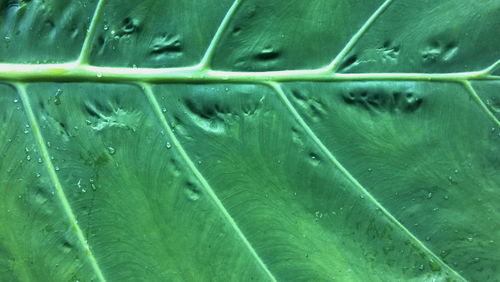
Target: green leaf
[(280, 140)]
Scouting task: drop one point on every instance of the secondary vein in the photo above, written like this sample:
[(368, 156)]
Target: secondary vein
[(208, 189), (332, 67), (21, 89), (207, 57), (475, 96), (84, 53), (277, 88)]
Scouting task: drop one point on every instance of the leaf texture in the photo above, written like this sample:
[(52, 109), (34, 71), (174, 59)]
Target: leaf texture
[(249, 140)]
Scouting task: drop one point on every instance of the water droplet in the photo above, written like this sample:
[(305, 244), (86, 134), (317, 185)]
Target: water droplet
[(169, 145), (39, 160), (434, 265), (48, 144), (57, 168), (361, 196), (111, 150), (469, 239), (28, 158), (106, 27), (164, 110), (57, 97), (429, 195), (99, 75), (134, 66), (16, 100), (38, 175)]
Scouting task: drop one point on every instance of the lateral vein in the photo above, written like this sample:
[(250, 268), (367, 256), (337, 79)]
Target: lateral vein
[(21, 89), (84, 53), (332, 67), (207, 57), (475, 96), (208, 189), (277, 88)]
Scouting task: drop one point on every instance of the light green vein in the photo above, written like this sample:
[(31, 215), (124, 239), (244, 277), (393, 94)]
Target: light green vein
[(277, 88), (84, 53), (21, 89), (209, 53), (208, 189), (332, 67), (478, 99)]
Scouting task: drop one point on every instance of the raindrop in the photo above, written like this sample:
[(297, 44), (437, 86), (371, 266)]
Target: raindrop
[(429, 195), (57, 168), (164, 110), (16, 100), (99, 75), (111, 150), (169, 145), (28, 158), (57, 97)]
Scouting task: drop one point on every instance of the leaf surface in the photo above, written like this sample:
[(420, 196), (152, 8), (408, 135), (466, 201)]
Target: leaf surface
[(249, 140)]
